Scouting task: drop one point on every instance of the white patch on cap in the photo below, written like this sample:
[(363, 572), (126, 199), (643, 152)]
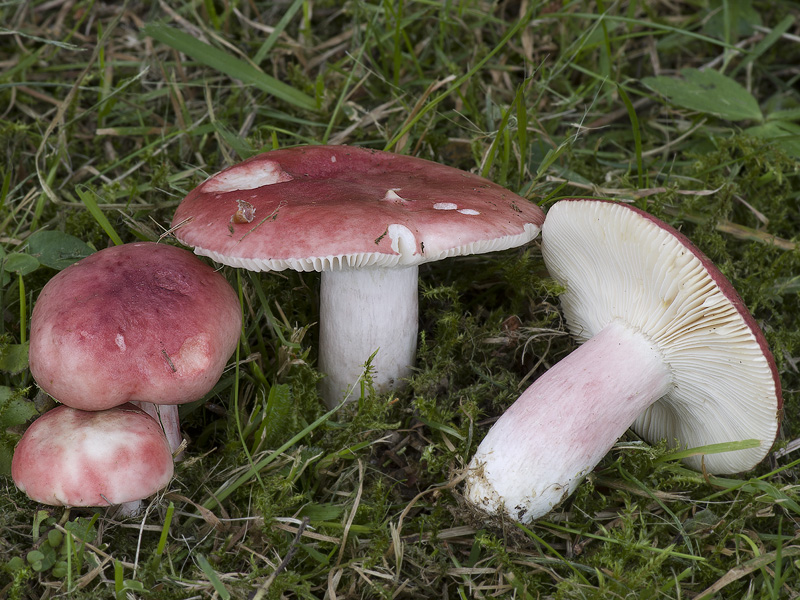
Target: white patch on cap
[(469, 211), (193, 356), (247, 176), (392, 196), (333, 159), (403, 242), (445, 206), (120, 342)]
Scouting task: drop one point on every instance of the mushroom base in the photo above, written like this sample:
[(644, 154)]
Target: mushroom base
[(365, 312), (543, 446)]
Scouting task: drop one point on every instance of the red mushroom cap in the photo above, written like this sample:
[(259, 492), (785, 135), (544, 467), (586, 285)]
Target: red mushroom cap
[(319, 208), (92, 458), (140, 321)]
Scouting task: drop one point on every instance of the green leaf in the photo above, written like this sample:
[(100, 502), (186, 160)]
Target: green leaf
[(20, 263), (15, 408), (788, 114), (13, 357), (56, 249), (708, 92), (321, 512), (277, 417), (784, 134), (227, 64)]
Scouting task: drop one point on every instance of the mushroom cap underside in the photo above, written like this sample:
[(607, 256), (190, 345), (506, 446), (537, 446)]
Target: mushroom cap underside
[(618, 263)]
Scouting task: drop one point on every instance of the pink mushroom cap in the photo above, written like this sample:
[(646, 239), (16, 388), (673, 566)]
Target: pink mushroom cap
[(136, 322), (320, 208), (71, 457)]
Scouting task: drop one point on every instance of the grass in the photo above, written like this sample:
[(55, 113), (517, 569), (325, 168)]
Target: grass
[(110, 114)]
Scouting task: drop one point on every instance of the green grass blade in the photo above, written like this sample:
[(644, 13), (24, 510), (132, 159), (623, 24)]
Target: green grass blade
[(498, 138), (770, 39), (90, 202), (637, 135), (647, 24), (458, 82), (162, 541), (219, 587), (279, 29), (23, 312), (224, 492), (227, 64), (709, 449), (119, 582), (552, 551), (668, 550)]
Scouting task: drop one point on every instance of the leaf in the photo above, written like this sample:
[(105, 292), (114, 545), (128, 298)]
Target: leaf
[(708, 92), (227, 64), (788, 114), (15, 408), (321, 512), (277, 417), (20, 263), (56, 249), (782, 133), (13, 357)]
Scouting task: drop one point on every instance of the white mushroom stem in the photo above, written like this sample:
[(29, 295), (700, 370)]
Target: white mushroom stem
[(129, 509), (167, 415), (561, 427), (171, 423), (361, 311)]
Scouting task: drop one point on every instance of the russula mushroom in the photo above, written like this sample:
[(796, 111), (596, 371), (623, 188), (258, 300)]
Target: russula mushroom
[(668, 348), (70, 457), (139, 322), (366, 219)]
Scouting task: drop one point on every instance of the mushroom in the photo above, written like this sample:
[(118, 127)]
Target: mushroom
[(366, 219), (70, 457), (668, 348), (137, 322)]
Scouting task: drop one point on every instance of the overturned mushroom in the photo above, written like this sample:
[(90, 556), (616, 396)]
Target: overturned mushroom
[(669, 349)]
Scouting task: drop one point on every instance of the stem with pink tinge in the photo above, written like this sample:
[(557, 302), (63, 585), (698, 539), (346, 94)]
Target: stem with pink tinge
[(167, 416), (543, 446)]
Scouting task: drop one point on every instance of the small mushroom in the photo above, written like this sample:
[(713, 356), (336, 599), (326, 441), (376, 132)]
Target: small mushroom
[(140, 322), (366, 219), (70, 457), (668, 349)]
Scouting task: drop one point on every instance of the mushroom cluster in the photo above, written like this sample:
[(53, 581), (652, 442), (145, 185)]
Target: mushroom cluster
[(366, 220), (669, 349), (120, 338)]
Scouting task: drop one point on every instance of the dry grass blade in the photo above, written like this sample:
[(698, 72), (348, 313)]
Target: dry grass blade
[(752, 565)]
